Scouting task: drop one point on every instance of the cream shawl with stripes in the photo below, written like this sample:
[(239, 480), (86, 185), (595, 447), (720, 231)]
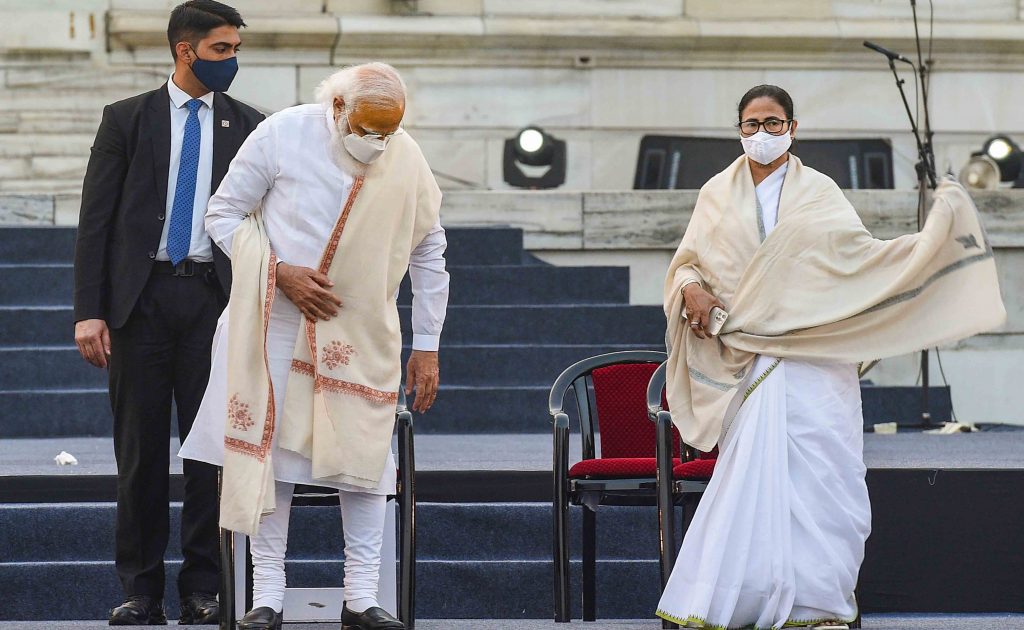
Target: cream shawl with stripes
[(819, 288), (340, 404)]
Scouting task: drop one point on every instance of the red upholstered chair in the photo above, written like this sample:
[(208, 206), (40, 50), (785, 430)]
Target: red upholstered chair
[(679, 482), (610, 391)]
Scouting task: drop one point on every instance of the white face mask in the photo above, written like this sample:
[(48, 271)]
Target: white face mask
[(764, 148), (364, 148)]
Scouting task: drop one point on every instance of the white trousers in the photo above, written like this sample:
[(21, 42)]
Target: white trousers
[(778, 536), (362, 518)]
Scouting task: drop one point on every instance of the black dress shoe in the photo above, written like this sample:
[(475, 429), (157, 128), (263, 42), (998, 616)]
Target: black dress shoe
[(262, 618), (372, 619), (199, 609), (139, 610)]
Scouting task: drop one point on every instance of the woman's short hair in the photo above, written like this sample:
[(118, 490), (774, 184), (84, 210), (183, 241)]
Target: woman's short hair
[(773, 92)]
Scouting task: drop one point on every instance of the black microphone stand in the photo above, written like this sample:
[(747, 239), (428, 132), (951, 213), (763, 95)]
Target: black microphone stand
[(924, 67), (925, 168), (925, 162)]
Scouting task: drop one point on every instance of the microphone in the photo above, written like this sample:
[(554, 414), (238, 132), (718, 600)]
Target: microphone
[(885, 51)]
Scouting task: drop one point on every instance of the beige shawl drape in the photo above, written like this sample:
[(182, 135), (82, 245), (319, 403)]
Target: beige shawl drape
[(340, 404), (819, 288)]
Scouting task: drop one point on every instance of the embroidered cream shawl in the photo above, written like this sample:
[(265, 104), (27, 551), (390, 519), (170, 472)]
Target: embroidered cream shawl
[(819, 288), (340, 404)]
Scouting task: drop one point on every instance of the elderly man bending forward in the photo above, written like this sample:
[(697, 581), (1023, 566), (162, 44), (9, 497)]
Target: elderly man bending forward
[(323, 210)]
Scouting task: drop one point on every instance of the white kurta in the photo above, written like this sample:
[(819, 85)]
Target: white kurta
[(299, 224), (779, 534)]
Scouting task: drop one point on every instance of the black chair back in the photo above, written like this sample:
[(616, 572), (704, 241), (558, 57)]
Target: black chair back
[(578, 377)]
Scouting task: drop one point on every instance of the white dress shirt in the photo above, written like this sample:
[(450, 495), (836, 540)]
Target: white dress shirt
[(299, 219), (200, 250)]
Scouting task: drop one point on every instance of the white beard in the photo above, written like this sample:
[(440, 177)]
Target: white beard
[(339, 154)]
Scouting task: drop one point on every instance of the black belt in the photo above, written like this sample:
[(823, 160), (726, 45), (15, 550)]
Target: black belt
[(184, 269)]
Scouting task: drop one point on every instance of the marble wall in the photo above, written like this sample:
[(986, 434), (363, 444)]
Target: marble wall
[(462, 116), (597, 73)]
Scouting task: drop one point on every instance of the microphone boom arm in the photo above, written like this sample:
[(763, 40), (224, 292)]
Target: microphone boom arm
[(925, 163)]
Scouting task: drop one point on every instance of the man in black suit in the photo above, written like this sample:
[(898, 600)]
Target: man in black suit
[(149, 288)]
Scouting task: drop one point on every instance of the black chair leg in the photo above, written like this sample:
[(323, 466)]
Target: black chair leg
[(560, 515), (669, 546), (689, 502), (589, 564), (227, 580), (666, 505), (248, 573), (563, 608), (407, 522), (667, 531), (407, 553)]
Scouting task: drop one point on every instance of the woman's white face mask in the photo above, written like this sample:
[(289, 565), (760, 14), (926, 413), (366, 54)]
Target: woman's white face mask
[(764, 148)]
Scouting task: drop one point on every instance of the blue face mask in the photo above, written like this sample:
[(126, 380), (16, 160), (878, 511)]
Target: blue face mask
[(215, 75)]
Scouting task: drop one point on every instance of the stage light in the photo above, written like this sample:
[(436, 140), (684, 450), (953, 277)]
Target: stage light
[(543, 155), (980, 173), (998, 149), (998, 164), (531, 140), (1007, 156)]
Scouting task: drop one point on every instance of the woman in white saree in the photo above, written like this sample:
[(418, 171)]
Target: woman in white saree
[(778, 537)]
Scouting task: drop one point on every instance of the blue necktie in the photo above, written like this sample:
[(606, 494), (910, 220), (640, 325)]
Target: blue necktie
[(179, 234)]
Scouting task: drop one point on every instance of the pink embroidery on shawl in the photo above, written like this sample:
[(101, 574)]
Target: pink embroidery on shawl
[(337, 353), (259, 451), (239, 414)]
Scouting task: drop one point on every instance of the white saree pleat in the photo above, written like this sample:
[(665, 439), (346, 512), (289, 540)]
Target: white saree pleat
[(779, 534), (830, 509)]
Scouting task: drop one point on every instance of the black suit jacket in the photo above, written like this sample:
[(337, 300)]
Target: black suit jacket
[(124, 199)]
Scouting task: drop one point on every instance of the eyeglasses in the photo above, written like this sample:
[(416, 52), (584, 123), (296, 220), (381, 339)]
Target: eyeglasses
[(379, 136), (774, 126)]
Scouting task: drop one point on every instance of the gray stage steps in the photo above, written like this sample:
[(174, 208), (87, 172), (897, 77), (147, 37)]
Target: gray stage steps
[(514, 323), (484, 529), (475, 560), (492, 559)]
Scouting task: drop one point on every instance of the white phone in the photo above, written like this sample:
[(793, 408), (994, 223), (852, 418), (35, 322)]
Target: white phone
[(717, 317)]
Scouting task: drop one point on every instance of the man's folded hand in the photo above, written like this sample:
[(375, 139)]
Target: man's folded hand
[(309, 290)]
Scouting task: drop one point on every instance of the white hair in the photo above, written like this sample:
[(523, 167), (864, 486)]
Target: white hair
[(372, 83)]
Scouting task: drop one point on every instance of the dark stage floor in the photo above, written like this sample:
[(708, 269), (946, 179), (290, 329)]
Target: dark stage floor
[(532, 452), (871, 622)]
